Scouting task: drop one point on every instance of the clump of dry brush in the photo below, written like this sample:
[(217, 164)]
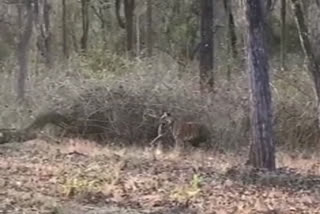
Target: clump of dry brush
[(123, 108)]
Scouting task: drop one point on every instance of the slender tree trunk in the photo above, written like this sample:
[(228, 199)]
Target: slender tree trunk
[(20, 20), (100, 14), (232, 36), (262, 150), (283, 34), (73, 34), (149, 28), (22, 49), (85, 24), (129, 6), (129, 16), (313, 65), (138, 35), (64, 29), (206, 48), (42, 22), (117, 10), (36, 10), (46, 33)]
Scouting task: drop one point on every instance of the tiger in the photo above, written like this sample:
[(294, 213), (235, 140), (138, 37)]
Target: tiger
[(184, 133)]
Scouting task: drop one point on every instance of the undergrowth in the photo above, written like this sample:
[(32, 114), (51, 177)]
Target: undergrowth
[(118, 101)]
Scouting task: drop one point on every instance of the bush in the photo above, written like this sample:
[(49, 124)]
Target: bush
[(123, 107)]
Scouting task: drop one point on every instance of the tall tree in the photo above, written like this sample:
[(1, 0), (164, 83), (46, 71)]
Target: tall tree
[(100, 9), (313, 64), (283, 34), (46, 31), (64, 29), (262, 150), (118, 8), (129, 15), (128, 6), (206, 46), (85, 24), (42, 23), (232, 36), (149, 28), (24, 38)]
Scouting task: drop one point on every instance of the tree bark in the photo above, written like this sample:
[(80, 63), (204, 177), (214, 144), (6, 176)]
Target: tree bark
[(64, 29), (149, 28), (47, 31), (206, 47), (262, 150), (100, 11), (313, 65), (232, 36), (138, 43), (283, 34), (117, 9), (129, 6), (85, 24), (42, 21), (129, 16), (22, 49)]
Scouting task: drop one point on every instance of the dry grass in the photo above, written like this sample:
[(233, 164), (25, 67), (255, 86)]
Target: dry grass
[(116, 102), (51, 177), (123, 105), (123, 99)]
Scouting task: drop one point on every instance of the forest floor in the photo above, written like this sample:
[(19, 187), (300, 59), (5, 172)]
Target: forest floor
[(78, 177)]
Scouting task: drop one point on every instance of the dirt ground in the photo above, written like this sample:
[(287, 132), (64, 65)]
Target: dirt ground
[(76, 177)]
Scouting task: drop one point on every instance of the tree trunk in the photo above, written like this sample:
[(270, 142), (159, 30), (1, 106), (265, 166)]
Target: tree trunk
[(100, 11), (42, 22), (22, 49), (149, 28), (64, 29), (129, 16), (138, 35), (73, 32), (262, 150), (206, 48), (283, 34), (47, 31), (232, 36), (85, 24), (117, 8), (313, 65)]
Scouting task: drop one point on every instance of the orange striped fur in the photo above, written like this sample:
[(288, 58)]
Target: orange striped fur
[(183, 132)]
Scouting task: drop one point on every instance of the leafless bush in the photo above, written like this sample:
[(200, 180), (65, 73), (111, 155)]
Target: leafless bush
[(122, 107)]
